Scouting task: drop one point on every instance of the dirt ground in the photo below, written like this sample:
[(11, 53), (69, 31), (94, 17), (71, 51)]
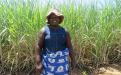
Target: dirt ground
[(110, 70)]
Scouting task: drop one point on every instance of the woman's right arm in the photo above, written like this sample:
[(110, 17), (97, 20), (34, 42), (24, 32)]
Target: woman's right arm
[(38, 51)]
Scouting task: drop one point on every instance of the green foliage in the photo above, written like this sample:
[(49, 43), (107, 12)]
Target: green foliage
[(95, 33)]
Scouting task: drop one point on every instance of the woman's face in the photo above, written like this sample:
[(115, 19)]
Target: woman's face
[(54, 20)]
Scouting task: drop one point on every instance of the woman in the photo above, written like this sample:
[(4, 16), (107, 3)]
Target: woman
[(53, 47)]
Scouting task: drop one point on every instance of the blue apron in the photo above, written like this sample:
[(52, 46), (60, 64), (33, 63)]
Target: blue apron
[(56, 63)]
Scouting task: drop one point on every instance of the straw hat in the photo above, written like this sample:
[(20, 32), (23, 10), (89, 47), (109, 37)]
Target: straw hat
[(55, 12)]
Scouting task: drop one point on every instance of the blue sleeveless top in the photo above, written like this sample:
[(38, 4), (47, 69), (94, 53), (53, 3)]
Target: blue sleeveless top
[(55, 39)]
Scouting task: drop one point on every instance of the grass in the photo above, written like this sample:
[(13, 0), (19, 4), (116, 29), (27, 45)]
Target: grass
[(95, 32)]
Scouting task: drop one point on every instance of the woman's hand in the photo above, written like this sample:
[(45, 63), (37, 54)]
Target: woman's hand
[(39, 68)]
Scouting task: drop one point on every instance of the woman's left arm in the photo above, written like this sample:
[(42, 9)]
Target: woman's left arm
[(71, 52)]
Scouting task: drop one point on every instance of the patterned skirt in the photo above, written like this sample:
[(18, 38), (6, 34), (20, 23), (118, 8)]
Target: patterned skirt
[(56, 62)]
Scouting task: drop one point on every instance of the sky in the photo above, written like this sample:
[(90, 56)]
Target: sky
[(99, 3), (55, 3)]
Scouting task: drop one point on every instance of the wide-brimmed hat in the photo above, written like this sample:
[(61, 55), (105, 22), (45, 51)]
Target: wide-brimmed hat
[(55, 12)]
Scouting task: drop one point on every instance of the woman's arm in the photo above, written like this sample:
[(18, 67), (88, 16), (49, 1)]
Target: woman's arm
[(71, 52), (38, 51)]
